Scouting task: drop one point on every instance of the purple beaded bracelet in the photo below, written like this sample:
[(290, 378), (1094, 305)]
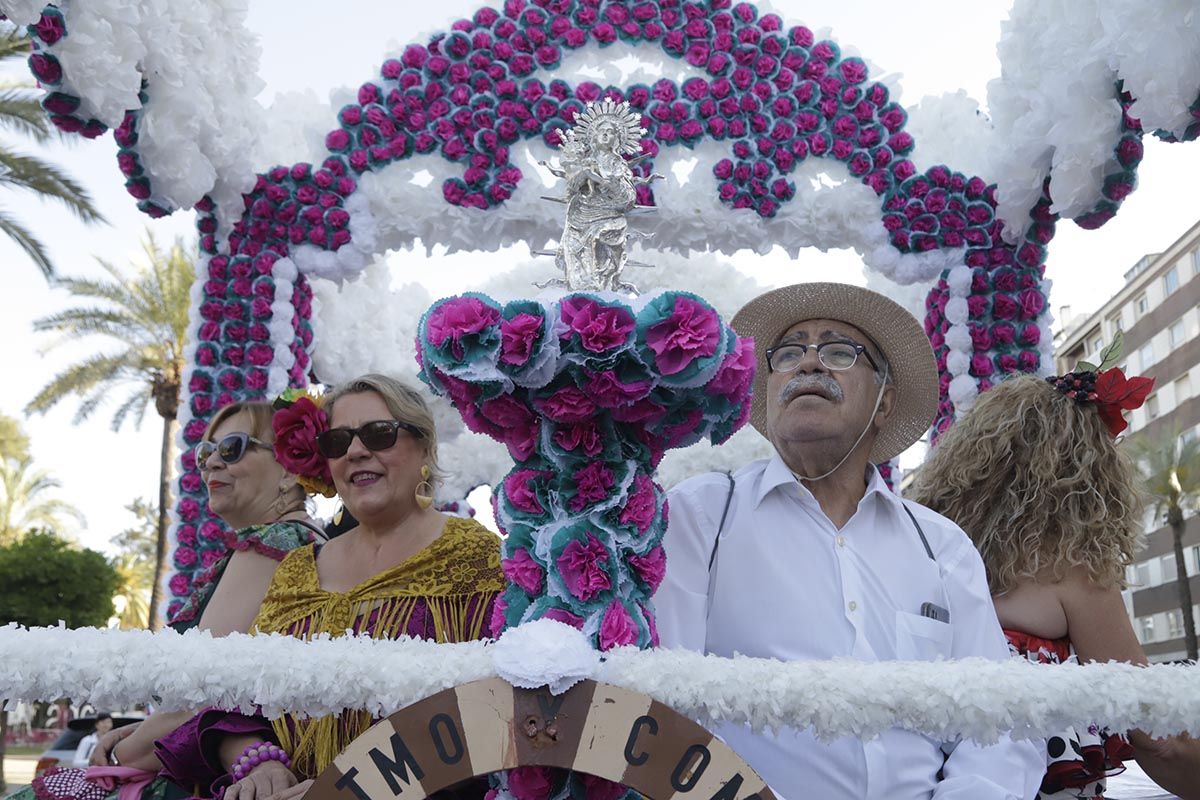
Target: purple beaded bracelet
[(257, 754)]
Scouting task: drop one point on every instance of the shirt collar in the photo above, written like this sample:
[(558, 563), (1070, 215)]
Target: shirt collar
[(778, 474)]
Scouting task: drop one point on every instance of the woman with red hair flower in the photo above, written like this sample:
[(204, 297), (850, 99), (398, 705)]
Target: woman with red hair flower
[(1034, 476)]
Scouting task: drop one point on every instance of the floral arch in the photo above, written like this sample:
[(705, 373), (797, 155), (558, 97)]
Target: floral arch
[(763, 102)]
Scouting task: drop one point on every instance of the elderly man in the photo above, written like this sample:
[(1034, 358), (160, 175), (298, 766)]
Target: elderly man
[(809, 555)]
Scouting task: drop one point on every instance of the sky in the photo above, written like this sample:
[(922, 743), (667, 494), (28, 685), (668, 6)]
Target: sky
[(936, 46)]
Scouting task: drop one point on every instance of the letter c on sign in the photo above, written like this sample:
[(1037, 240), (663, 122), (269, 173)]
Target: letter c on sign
[(637, 759)]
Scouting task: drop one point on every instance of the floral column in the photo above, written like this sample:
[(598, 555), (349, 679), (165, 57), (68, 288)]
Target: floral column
[(587, 391)]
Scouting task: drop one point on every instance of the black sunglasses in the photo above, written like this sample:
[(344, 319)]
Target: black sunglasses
[(231, 448), (378, 435)]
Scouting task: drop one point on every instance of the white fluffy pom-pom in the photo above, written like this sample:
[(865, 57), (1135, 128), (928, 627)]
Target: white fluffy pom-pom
[(544, 652), (957, 311)]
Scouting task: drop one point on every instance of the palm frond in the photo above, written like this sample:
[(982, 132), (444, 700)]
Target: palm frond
[(21, 112), (14, 43), (47, 180), (82, 379), (27, 242), (136, 404)]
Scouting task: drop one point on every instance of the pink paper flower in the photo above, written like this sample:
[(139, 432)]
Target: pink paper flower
[(641, 505), (519, 492), (523, 571), (734, 378), (592, 484), (651, 567), (180, 584), (600, 328), (530, 783), (692, 331), (516, 422), (562, 615), (618, 627), (459, 317), (517, 336), (1032, 303), (497, 621), (582, 567), (601, 788), (569, 404), (582, 436), (609, 391)]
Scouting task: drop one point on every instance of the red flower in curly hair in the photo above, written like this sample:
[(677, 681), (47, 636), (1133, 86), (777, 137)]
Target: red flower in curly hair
[(296, 429), (1116, 393)]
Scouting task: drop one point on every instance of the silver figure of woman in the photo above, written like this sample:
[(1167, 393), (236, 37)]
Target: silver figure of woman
[(601, 191)]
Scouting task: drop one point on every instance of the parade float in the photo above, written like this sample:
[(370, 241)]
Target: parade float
[(586, 383)]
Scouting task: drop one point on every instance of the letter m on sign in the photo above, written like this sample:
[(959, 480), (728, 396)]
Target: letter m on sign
[(398, 765)]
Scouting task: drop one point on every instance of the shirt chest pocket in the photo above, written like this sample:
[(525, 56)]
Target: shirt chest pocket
[(921, 638)]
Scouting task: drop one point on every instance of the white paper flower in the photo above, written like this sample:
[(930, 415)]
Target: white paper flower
[(544, 652)]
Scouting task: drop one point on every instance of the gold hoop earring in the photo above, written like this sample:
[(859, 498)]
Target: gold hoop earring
[(424, 492)]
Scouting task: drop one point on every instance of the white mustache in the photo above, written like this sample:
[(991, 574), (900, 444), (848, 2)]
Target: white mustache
[(826, 386)]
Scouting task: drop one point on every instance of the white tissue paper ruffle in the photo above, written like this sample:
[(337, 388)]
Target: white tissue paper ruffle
[(544, 652)]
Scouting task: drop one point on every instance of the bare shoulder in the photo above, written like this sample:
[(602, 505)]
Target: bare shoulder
[(1078, 586)]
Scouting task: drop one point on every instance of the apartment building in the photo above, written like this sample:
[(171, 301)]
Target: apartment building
[(1158, 310)]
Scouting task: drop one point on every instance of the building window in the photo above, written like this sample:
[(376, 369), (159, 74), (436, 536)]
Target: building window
[(1143, 575), (1183, 389), (1097, 345), (1196, 261), (1147, 355), (1114, 325), (1168, 568), (1195, 558), (1152, 407), (1174, 624), (1176, 333), (1147, 625), (1188, 436), (1141, 306), (1171, 281)]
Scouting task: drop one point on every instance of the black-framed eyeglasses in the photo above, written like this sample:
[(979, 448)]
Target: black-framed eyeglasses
[(836, 356), (378, 435), (231, 448)]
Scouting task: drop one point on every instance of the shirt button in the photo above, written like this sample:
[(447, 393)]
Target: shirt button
[(853, 606), (841, 541)]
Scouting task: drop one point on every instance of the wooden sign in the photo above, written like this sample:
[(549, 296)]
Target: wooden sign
[(483, 727)]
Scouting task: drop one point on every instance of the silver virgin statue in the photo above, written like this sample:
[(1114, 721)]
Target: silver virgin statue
[(601, 192)]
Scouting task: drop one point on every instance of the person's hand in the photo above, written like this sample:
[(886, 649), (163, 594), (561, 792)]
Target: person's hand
[(1173, 763), (107, 742), (267, 779), (294, 793)]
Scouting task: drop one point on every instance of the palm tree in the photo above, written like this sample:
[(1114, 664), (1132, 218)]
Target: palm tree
[(23, 501), (146, 312), (135, 565), (21, 113), (1171, 478)]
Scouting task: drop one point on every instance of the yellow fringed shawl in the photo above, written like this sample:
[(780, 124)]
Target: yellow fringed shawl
[(457, 577)]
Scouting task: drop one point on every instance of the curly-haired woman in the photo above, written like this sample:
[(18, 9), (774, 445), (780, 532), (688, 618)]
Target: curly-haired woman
[(1034, 475)]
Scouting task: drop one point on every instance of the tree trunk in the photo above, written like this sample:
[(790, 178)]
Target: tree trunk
[(3, 738), (166, 456), (1175, 518)]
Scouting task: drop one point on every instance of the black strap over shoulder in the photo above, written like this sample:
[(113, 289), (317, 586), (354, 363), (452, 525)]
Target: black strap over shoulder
[(721, 525), (921, 533)]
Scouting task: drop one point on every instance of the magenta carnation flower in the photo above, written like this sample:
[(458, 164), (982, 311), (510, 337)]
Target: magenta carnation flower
[(582, 567)]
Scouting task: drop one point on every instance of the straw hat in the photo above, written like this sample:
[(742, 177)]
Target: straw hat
[(892, 329)]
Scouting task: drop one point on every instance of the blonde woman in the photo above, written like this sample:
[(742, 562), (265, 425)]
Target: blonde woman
[(405, 569), (1034, 476)]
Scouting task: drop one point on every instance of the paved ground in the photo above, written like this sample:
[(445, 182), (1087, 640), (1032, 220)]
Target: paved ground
[(18, 771)]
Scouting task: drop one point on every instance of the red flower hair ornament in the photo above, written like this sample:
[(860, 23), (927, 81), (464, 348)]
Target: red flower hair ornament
[(298, 420), (1106, 386)]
